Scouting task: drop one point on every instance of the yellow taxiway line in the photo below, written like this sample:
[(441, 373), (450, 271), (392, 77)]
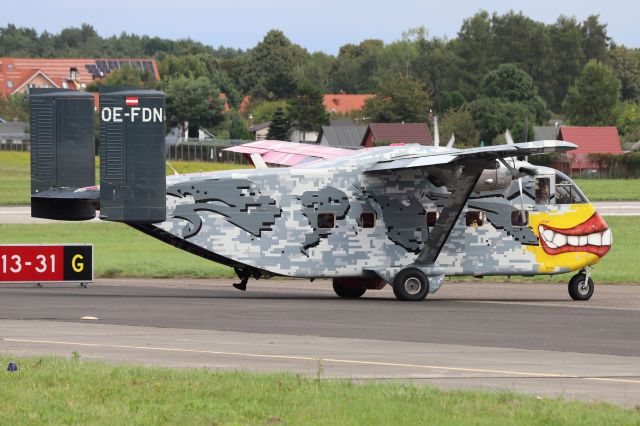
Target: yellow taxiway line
[(329, 360)]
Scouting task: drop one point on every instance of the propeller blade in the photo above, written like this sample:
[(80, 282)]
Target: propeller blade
[(508, 137), (523, 215), (436, 133), (452, 140)]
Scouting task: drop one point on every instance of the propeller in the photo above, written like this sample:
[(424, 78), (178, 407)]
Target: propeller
[(522, 169), (452, 140), (508, 137)]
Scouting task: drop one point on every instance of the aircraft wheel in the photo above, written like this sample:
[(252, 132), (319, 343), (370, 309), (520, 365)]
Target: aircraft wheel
[(411, 284), (348, 292), (580, 288)]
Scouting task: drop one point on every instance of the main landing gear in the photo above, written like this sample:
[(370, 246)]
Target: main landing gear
[(411, 284), (581, 285)]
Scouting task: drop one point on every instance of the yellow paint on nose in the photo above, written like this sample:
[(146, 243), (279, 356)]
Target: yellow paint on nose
[(562, 217)]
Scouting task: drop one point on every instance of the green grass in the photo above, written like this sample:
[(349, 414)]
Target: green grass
[(610, 189), (15, 180), (52, 390), (121, 251)]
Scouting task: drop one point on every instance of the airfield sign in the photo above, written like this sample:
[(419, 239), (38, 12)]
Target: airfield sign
[(46, 263)]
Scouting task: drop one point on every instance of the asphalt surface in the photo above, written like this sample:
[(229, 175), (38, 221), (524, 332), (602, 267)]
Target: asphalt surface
[(22, 214), (526, 337)]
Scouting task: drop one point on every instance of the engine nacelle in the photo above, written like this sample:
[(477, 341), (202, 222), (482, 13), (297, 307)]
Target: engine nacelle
[(501, 177)]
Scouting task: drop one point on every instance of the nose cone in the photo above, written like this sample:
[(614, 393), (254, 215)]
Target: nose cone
[(591, 236)]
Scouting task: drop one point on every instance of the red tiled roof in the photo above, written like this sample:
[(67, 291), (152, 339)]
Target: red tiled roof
[(400, 133), (244, 104), (591, 140), (19, 70), (225, 107), (341, 103)]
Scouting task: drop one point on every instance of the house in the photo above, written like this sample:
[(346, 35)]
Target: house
[(17, 75), (260, 130), (590, 140), (342, 134), (387, 133), (340, 103)]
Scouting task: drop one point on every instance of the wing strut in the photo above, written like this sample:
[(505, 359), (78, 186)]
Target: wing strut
[(471, 172)]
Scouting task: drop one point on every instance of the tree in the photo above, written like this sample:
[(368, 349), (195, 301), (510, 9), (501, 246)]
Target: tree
[(568, 57), (510, 83), (307, 108), (626, 65), (127, 76), (595, 38), (280, 128), (14, 107), (449, 101), (238, 128), (398, 99), (271, 66), (459, 122), (593, 99), (195, 101), (493, 116), (473, 53), (262, 111)]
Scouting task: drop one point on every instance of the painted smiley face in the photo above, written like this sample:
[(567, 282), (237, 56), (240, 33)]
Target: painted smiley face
[(591, 236)]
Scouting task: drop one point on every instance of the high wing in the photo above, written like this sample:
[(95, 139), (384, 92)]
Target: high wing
[(466, 166), (460, 156), (290, 153)]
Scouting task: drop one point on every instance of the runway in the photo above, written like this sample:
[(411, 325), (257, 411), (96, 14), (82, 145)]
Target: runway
[(526, 337), (22, 214)]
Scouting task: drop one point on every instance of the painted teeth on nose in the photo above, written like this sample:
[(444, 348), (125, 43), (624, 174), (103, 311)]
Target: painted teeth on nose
[(548, 235), (559, 239), (606, 237), (573, 240), (595, 239), (582, 240)]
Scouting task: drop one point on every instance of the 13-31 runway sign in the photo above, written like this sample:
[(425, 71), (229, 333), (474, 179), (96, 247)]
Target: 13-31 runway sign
[(46, 263)]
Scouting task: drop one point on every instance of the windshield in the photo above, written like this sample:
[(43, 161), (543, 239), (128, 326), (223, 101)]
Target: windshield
[(567, 192)]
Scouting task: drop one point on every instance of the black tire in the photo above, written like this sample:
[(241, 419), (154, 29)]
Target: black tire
[(348, 292), (580, 288), (411, 284)]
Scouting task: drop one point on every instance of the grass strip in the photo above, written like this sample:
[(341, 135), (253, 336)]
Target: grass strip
[(55, 390)]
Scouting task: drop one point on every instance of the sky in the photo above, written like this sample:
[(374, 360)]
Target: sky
[(316, 25)]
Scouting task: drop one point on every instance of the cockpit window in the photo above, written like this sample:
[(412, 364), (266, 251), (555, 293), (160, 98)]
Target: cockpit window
[(542, 190), (567, 192)]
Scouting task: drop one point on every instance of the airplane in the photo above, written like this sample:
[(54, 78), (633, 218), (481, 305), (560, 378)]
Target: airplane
[(405, 215)]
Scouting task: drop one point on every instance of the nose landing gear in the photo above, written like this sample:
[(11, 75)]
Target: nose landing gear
[(581, 285)]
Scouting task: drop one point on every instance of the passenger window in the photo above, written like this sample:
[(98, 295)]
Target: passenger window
[(519, 218), (542, 191), (566, 192), (475, 219), (326, 220), (432, 218), (368, 220)]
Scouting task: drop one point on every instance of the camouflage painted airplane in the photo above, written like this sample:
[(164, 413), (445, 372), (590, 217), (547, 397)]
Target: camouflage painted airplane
[(405, 215)]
